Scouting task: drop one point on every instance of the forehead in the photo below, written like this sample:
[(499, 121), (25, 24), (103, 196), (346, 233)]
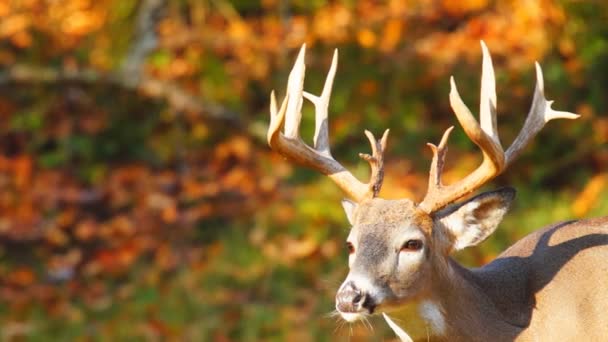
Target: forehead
[(381, 215)]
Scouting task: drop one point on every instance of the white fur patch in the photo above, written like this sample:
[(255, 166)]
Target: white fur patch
[(431, 313), (351, 317)]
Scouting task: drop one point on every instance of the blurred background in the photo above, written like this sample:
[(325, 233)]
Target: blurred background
[(138, 197)]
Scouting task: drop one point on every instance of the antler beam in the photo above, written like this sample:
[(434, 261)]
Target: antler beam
[(485, 135)]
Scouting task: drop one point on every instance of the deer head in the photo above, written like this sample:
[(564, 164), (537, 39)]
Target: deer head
[(399, 249)]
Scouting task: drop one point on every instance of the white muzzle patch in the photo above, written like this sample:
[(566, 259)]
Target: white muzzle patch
[(350, 317)]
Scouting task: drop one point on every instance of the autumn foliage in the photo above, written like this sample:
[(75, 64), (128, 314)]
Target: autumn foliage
[(138, 198)]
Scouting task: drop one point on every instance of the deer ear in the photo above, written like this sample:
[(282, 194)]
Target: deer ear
[(349, 208), (470, 223)]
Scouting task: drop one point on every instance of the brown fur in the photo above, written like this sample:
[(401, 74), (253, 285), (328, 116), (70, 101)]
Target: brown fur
[(554, 279), (549, 286)]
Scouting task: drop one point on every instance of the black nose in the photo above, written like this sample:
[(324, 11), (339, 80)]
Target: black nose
[(358, 299), (369, 304), (352, 299)]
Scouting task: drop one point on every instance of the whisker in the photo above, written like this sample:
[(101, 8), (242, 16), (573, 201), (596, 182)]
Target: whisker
[(364, 322), (339, 324), (367, 324), (340, 321), (331, 314), (331, 282), (328, 315)]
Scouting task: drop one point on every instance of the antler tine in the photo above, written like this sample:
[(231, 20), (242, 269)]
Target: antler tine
[(276, 118), (295, 86), (540, 113), (376, 161), (319, 158), (487, 102), (321, 137), (485, 135), (439, 195), (437, 163), (491, 148)]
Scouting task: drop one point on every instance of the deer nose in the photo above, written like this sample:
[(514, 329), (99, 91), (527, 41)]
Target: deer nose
[(351, 299)]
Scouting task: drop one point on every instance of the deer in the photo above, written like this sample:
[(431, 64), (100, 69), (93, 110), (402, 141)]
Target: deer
[(552, 285)]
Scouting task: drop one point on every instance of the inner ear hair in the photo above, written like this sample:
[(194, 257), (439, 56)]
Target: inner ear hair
[(482, 211)]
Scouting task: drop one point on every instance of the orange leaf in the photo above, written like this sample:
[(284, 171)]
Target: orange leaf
[(23, 276), (366, 38), (587, 198)]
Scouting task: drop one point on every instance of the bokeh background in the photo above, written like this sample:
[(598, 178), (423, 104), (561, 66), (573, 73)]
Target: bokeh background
[(139, 200)]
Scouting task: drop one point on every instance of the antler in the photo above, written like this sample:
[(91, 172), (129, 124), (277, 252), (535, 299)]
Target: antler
[(485, 135), (319, 158)]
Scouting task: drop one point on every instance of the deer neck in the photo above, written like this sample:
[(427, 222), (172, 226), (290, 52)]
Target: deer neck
[(458, 307)]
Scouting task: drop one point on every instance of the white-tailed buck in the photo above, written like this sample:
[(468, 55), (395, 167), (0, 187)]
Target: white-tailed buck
[(550, 286)]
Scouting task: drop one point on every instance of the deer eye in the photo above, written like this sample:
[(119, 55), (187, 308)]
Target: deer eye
[(350, 248), (411, 246)]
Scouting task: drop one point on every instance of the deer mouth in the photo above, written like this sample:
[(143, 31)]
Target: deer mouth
[(354, 315)]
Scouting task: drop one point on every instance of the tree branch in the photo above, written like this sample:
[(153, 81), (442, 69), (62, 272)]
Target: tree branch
[(179, 99), (130, 75), (144, 40)]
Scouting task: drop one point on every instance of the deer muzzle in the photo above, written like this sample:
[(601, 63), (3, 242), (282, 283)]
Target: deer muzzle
[(352, 301)]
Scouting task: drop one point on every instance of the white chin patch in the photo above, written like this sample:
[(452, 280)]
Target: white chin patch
[(350, 316)]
